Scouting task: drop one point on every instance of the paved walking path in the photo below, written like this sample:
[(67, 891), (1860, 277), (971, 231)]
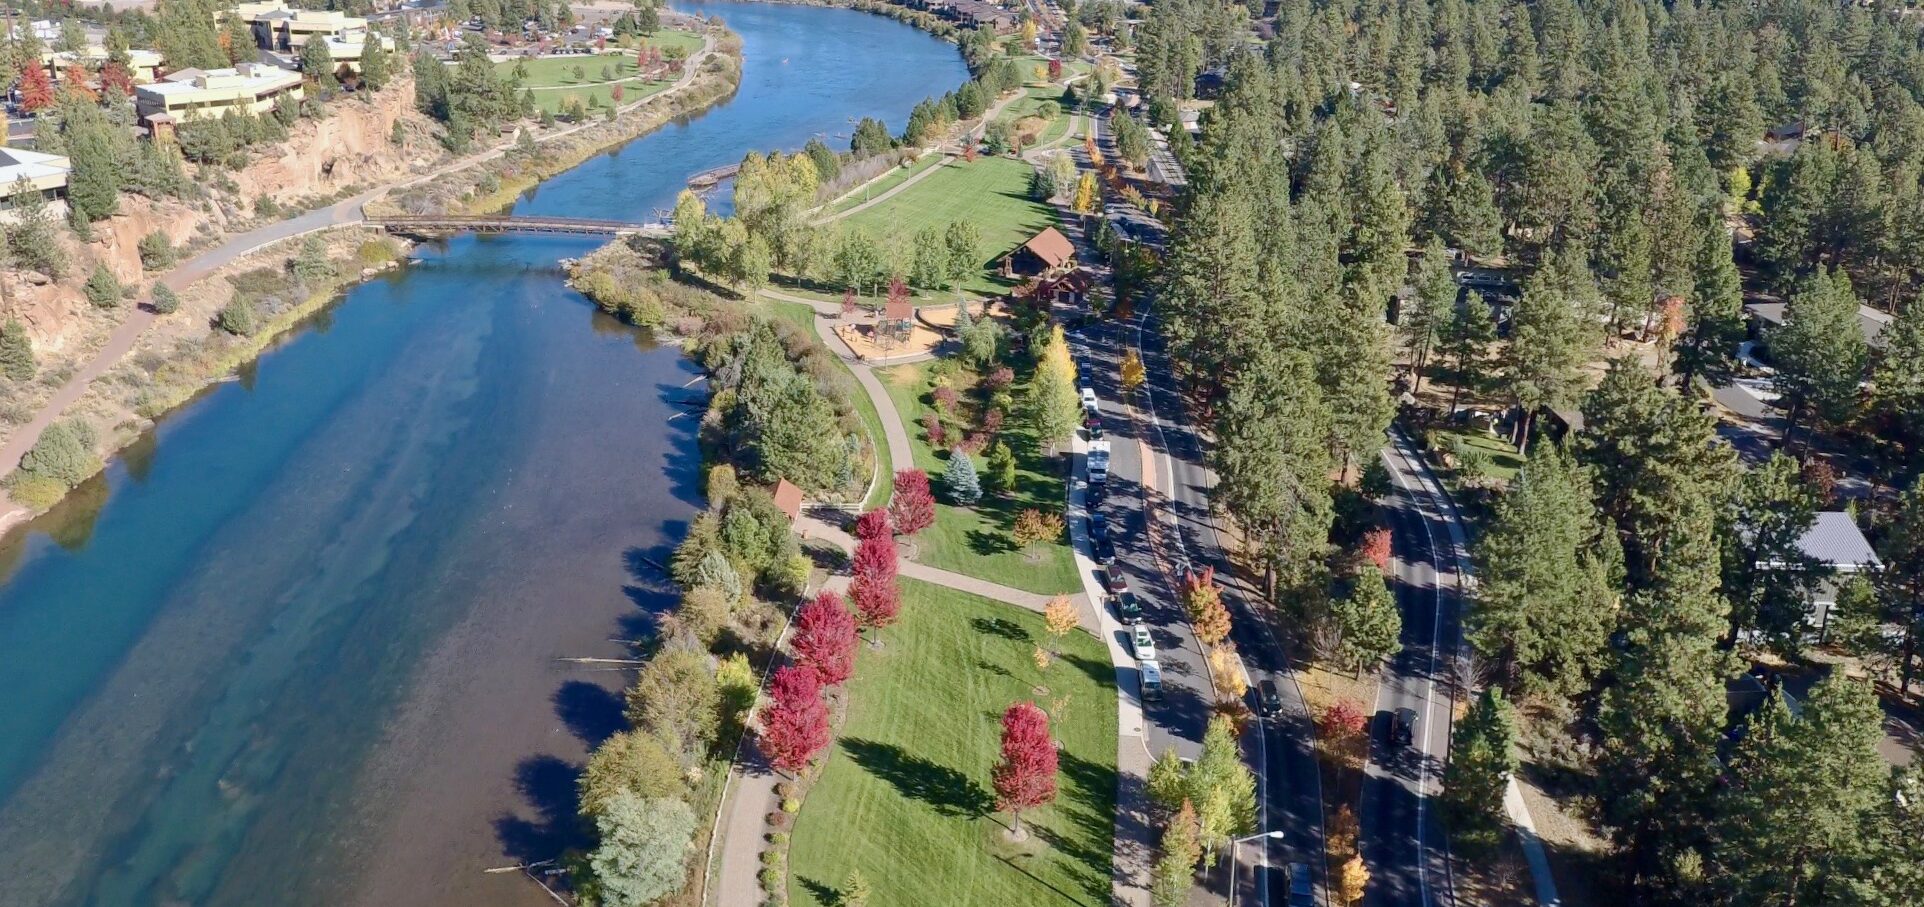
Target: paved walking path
[(885, 196)]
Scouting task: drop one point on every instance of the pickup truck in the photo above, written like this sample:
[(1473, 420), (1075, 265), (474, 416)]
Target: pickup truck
[(1098, 462)]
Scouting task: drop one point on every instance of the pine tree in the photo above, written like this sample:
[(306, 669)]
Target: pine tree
[(1708, 350), (1464, 339), (964, 486), (1819, 351), (1897, 387), (644, 849), (1766, 574), (1551, 338), (103, 289), (16, 352), (1272, 462), (1546, 591), (1367, 619), (1482, 758), (1001, 473), (1805, 795)]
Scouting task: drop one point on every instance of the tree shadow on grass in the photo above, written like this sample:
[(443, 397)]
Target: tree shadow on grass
[(1002, 627), (821, 891), (951, 792), (992, 668), (987, 542), (549, 784), (591, 711)]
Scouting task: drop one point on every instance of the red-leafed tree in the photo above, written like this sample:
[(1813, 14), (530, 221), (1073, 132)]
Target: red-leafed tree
[(913, 506), (114, 77), (1376, 548), (795, 724), (1055, 70), (848, 303), (36, 89), (873, 525), (75, 78), (1025, 776), (878, 598), (825, 638), (615, 93)]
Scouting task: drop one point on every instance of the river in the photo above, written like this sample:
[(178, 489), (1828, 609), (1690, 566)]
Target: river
[(300, 645)]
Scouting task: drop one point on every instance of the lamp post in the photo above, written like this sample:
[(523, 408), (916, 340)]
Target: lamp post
[(1277, 835)]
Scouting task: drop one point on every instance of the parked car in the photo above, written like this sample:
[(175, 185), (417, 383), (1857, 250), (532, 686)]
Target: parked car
[(1114, 582), (1269, 699), (1302, 891), (1089, 400), (1092, 425), (1403, 727), (1098, 526), (1144, 643), (1106, 552), (1151, 680), (1126, 605)]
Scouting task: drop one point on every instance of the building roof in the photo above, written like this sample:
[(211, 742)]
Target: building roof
[(17, 164), (898, 310), (1835, 540), (1871, 321), (250, 77), (788, 498), (1053, 248)]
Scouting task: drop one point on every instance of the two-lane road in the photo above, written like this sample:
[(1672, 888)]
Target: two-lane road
[(1403, 841)]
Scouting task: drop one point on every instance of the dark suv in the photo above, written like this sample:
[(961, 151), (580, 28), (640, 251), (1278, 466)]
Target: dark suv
[(1127, 608), (1268, 698)]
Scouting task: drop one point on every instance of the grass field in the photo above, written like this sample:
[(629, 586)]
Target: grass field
[(895, 177), (803, 316), (992, 193), (1028, 105), (976, 541), (553, 81), (905, 795)]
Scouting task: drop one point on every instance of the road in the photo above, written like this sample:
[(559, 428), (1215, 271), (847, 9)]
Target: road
[(1403, 842)]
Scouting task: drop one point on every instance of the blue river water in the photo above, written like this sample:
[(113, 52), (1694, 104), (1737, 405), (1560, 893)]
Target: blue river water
[(301, 644)]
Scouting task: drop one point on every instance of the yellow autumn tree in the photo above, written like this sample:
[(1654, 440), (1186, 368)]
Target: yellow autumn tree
[(1352, 879), (1133, 374), (1087, 196), (1228, 671), (1058, 618)]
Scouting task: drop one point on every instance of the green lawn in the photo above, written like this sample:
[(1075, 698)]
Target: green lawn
[(894, 177), (1028, 105), (905, 795), (976, 541), (803, 316), (1503, 458), (992, 193), (553, 81)]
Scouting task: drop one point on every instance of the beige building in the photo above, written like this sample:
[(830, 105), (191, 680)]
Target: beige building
[(143, 65), (194, 93), (23, 171), (278, 26)]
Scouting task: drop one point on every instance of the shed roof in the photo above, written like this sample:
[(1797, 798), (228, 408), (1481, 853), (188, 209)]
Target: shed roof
[(788, 498)]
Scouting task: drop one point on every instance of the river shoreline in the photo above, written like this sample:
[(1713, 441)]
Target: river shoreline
[(714, 78)]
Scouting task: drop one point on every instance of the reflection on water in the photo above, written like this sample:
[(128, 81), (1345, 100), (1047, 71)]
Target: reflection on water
[(298, 645)]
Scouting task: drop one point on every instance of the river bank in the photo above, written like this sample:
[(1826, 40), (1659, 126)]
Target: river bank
[(300, 644), (129, 385)]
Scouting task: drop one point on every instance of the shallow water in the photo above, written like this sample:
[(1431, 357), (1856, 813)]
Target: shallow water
[(300, 645)]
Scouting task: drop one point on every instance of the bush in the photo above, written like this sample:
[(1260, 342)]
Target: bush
[(791, 805), (778, 838), (312, 266), (156, 252), (771, 879), (16, 352), (102, 289), (36, 492), (780, 821), (64, 453), (237, 318), (165, 301), (772, 858)]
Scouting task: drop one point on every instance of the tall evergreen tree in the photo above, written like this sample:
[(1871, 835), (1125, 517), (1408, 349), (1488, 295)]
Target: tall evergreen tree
[(1819, 351), (1477, 778)]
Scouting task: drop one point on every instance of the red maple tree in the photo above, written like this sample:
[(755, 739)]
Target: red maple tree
[(615, 93), (848, 303), (1376, 548), (115, 77), (795, 724), (913, 506), (825, 638), (36, 90), (75, 79), (1025, 776), (873, 525), (878, 599), (1055, 70)]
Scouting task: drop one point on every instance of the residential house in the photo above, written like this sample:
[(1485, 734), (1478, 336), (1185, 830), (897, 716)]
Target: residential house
[(1767, 315), (1046, 254), (1835, 543), (194, 93), (788, 499), (23, 172)]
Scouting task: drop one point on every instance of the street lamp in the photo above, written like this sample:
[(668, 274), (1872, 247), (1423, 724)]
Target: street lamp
[(1277, 835)]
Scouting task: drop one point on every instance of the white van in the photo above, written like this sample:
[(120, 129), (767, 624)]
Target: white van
[(1151, 680)]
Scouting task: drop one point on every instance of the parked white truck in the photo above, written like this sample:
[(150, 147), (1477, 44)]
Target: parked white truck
[(1098, 462)]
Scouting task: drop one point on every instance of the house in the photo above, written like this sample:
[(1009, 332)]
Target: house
[(1767, 315), (195, 93), (1833, 542), (1046, 254), (974, 14), (1071, 289), (788, 499), (279, 27), (23, 172)]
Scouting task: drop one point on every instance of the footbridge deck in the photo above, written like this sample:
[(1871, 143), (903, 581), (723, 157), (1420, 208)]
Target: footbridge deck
[(435, 224)]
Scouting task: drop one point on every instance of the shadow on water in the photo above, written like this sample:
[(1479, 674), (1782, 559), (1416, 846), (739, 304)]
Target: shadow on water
[(590, 710), (548, 786)]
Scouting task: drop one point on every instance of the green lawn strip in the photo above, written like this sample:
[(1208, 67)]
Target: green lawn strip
[(894, 177), (1504, 461), (1028, 105), (991, 192), (905, 796), (803, 316), (976, 541)]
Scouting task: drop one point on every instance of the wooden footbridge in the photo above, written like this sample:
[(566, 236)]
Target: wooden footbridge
[(443, 224)]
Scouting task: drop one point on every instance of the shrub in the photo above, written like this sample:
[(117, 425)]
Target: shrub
[(791, 805), (64, 453), (771, 878), (778, 838), (772, 858), (237, 318), (102, 289), (156, 252), (312, 266), (16, 351), (166, 301), (36, 492), (780, 821)]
